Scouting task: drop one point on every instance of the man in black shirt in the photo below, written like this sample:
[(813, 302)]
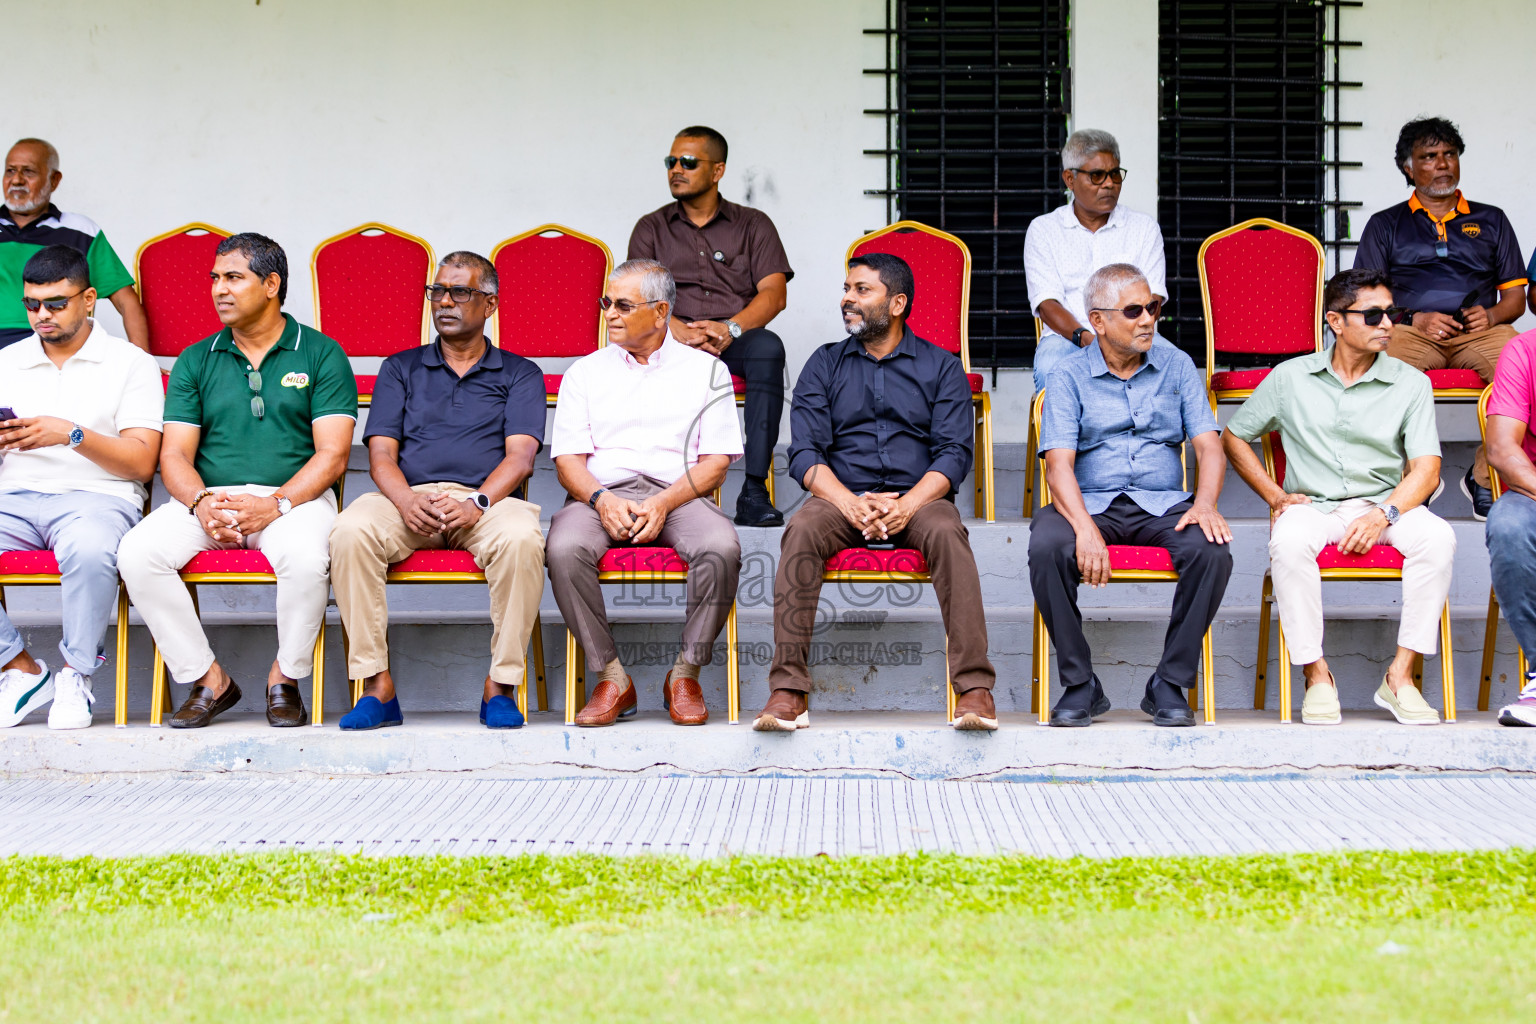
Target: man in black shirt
[(882, 432)]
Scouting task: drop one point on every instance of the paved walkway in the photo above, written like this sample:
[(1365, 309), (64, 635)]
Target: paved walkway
[(709, 817)]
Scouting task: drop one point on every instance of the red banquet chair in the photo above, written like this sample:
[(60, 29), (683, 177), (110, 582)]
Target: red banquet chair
[(368, 293), (645, 565), (941, 268), (1128, 563), (1286, 266), (1491, 630), (171, 275), (1382, 562)]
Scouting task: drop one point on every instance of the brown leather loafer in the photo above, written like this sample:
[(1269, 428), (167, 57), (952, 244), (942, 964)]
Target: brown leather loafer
[(608, 704), (786, 711), (202, 707), (974, 711), (684, 700), (285, 708)]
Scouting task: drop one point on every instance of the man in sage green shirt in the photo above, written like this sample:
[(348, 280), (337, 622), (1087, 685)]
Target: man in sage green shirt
[(1350, 419)]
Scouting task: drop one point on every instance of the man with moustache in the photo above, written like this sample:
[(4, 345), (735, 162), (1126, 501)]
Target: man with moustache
[(732, 279), (881, 437), (259, 422), (29, 221), (73, 465), (452, 433)]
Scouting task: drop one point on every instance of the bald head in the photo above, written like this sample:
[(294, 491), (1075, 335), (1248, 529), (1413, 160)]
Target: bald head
[(31, 175)]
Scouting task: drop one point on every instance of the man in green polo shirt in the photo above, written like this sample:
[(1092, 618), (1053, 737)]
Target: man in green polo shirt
[(259, 426), (1350, 418)]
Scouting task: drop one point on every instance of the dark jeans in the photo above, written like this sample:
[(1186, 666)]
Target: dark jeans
[(1203, 567), (1511, 536), (758, 358)]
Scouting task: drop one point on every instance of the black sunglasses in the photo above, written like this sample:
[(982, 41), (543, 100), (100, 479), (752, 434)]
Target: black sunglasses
[(624, 306), (1372, 316), (690, 163), (459, 293), (1133, 312), (53, 305), (1116, 175)]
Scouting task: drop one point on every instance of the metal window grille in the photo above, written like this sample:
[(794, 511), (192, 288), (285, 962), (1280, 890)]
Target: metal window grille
[(1249, 127), (977, 97)]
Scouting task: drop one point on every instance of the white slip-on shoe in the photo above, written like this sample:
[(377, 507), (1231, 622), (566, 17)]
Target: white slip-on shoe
[(1407, 705), (72, 701), (1320, 705), (22, 693)]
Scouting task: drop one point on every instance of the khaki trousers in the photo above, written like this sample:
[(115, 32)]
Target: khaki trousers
[(506, 541), (1428, 545), (1477, 350)]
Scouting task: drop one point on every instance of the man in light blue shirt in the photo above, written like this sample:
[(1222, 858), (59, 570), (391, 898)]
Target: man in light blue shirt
[(1116, 416)]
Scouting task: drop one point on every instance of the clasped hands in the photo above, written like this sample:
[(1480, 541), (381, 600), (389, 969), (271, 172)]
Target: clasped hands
[(710, 335), (639, 522), (1443, 325), (431, 512), (230, 518), (1363, 533), (878, 515), (30, 432)]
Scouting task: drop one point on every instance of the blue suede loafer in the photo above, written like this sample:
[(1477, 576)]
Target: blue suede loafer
[(371, 713), (500, 712)]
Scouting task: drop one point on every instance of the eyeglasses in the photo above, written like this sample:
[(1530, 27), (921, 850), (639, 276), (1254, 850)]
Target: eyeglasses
[(52, 305), (1372, 316), (690, 163), (1133, 312), (1116, 175), (258, 407), (459, 293), (624, 306)]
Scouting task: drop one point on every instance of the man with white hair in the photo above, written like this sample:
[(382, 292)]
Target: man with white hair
[(1065, 246), (644, 431), (29, 222), (1116, 415)]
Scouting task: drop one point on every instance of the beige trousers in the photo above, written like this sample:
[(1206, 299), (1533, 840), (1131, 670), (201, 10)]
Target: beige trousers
[(506, 541), (1478, 350), (1428, 545)]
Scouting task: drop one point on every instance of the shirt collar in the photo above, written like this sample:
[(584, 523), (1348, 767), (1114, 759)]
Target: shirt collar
[(1417, 207), (1385, 368), (490, 359), (1097, 367), (727, 211), (663, 354), (907, 346), (225, 339), (33, 354), (1069, 217)]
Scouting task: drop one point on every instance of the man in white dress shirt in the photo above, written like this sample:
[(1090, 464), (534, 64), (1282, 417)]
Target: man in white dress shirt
[(644, 431), (1063, 248)]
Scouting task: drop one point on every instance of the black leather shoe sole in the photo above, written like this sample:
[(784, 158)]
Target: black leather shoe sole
[(286, 722), (1168, 716), (228, 699)]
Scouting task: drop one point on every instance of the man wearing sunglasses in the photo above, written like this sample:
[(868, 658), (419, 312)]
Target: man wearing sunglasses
[(1455, 266), (644, 431), (732, 279), (79, 435), (1349, 419), (1064, 247), (259, 422), (452, 433), (1116, 416)]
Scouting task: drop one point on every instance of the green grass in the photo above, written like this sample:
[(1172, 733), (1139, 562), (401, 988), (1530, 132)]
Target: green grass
[(926, 939)]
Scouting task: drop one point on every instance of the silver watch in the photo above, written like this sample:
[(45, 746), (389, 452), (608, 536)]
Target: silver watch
[(76, 435), (1391, 512), (734, 328)]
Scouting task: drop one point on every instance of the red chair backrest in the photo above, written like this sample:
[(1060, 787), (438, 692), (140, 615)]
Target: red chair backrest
[(368, 289), (172, 275), (941, 276), (551, 278), (1277, 457), (1263, 285)]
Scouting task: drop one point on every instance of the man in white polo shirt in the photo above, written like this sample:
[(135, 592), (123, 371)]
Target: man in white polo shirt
[(1063, 248), (79, 437), (644, 431)]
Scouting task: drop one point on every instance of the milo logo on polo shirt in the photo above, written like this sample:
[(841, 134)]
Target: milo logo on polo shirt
[(295, 380)]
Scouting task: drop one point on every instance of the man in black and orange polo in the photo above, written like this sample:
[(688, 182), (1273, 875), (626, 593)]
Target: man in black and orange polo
[(1454, 264)]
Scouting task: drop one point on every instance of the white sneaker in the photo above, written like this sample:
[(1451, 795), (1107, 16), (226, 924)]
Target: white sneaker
[(22, 693), (1523, 710), (72, 701)]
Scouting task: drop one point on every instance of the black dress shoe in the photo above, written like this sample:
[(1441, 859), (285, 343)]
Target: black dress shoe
[(1080, 705), (285, 708), (202, 706), (1166, 704), (753, 507)]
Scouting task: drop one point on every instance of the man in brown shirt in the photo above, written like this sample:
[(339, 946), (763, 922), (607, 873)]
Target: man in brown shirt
[(732, 280)]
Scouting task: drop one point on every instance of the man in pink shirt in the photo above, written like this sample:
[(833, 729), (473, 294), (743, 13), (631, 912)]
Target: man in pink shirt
[(643, 432), (1511, 532)]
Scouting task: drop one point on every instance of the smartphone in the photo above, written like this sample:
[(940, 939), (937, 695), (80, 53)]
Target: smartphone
[(880, 545), (7, 413)]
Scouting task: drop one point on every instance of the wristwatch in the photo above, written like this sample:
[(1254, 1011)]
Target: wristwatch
[(480, 501), (76, 436), (595, 495), (734, 328), (284, 506), (1077, 336), (1391, 512)]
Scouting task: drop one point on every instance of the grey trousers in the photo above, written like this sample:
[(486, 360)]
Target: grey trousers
[(703, 537)]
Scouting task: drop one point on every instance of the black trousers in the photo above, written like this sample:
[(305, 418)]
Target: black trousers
[(1204, 569), (758, 357)]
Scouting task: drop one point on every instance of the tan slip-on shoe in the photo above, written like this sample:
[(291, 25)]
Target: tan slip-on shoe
[(1320, 705), (1407, 705), (975, 712), (608, 704), (786, 711)]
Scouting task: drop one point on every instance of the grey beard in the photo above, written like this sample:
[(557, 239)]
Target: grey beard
[(871, 325), (1440, 193), (41, 203)]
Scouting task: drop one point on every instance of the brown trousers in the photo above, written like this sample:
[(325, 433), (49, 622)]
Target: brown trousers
[(818, 531), (1476, 350), (698, 530)]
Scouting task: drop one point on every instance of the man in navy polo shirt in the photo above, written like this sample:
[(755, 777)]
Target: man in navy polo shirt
[(1455, 266), (451, 436)]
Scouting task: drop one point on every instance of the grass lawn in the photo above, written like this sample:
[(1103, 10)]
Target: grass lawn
[(1359, 937)]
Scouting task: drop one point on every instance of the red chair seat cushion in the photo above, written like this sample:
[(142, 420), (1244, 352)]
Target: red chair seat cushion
[(1129, 556), (738, 384), (866, 560), (642, 560), (978, 383), (28, 563), (366, 383), (552, 383), (1440, 379), (237, 560), (1382, 556), (437, 561), (1238, 380)]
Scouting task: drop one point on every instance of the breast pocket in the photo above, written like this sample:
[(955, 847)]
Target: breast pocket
[(1166, 420)]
